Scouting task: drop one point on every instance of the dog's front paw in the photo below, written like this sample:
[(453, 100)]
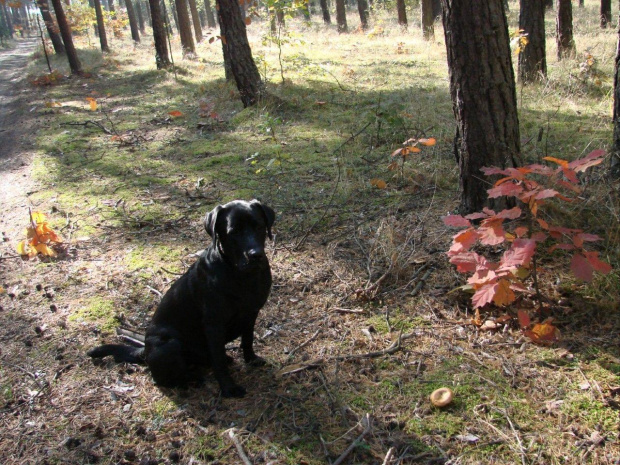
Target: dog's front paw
[(233, 390), (257, 362)]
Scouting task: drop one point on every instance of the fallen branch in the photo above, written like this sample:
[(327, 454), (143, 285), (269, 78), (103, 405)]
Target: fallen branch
[(388, 456), (237, 443), (305, 343), (94, 123), (367, 426)]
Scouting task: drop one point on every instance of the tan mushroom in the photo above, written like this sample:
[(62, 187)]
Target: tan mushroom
[(441, 397)]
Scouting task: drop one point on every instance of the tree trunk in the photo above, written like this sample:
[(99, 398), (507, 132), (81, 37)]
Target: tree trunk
[(235, 36), (401, 10), (51, 26), (141, 23), (210, 17), (65, 32), (533, 58), (362, 7), (483, 94), (605, 13), (133, 22), (159, 35), (341, 16), (103, 39), (549, 4), (615, 150), (7, 18), (228, 74), (326, 17), (187, 41), (564, 30), (436, 8), (428, 20), (196, 19), (111, 5)]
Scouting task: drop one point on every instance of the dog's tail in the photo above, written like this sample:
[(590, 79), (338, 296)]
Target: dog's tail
[(121, 353)]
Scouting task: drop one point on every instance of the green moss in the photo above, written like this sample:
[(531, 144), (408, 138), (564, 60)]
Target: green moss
[(97, 310)]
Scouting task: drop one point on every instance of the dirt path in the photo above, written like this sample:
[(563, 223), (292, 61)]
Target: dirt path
[(16, 124)]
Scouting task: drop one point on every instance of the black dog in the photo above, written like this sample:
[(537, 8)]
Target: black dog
[(214, 302)]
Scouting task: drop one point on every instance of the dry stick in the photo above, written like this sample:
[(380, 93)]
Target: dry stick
[(516, 435), (366, 420), (235, 440), (331, 198), (305, 343), (388, 456), (421, 283)]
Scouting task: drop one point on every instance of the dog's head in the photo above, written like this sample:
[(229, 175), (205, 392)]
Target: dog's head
[(238, 230)]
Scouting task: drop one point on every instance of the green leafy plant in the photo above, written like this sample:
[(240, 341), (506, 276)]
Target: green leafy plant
[(497, 281)]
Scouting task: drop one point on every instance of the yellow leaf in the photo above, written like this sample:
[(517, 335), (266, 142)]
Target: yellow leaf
[(38, 217), (92, 102), (23, 248), (378, 183)]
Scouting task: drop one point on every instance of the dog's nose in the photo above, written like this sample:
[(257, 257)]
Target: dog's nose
[(256, 255)]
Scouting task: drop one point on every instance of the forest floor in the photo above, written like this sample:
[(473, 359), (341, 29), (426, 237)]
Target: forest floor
[(365, 318)]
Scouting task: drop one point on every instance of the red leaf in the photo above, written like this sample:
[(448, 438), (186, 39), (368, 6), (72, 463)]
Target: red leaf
[(519, 254), (524, 319), (561, 247), (476, 216), (589, 237), (581, 268), (491, 170), (456, 221), (546, 193), (484, 295), (511, 214), (466, 238), (507, 188), (570, 175), (539, 236), (593, 158), (491, 232), (597, 264), (467, 262), (521, 231)]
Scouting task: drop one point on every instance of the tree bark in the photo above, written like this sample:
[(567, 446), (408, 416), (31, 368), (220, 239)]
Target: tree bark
[(605, 13), (210, 17), (51, 26), (341, 16), (533, 59), (428, 20), (133, 22), (196, 19), (615, 151), (483, 94), (235, 39), (401, 10), (141, 23), (187, 41), (326, 17), (362, 7), (103, 39), (159, 35), (65, 32), (564, 30)]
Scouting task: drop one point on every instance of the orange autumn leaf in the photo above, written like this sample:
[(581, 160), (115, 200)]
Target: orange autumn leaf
[(543, 333), (175, 113), (428, 142), (378, 183)]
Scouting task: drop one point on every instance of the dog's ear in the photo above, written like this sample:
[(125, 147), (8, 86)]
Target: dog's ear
[(211, 220), (270, 216)]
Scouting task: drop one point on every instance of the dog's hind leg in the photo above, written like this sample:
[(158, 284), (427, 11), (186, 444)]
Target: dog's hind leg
[(167, 362)]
